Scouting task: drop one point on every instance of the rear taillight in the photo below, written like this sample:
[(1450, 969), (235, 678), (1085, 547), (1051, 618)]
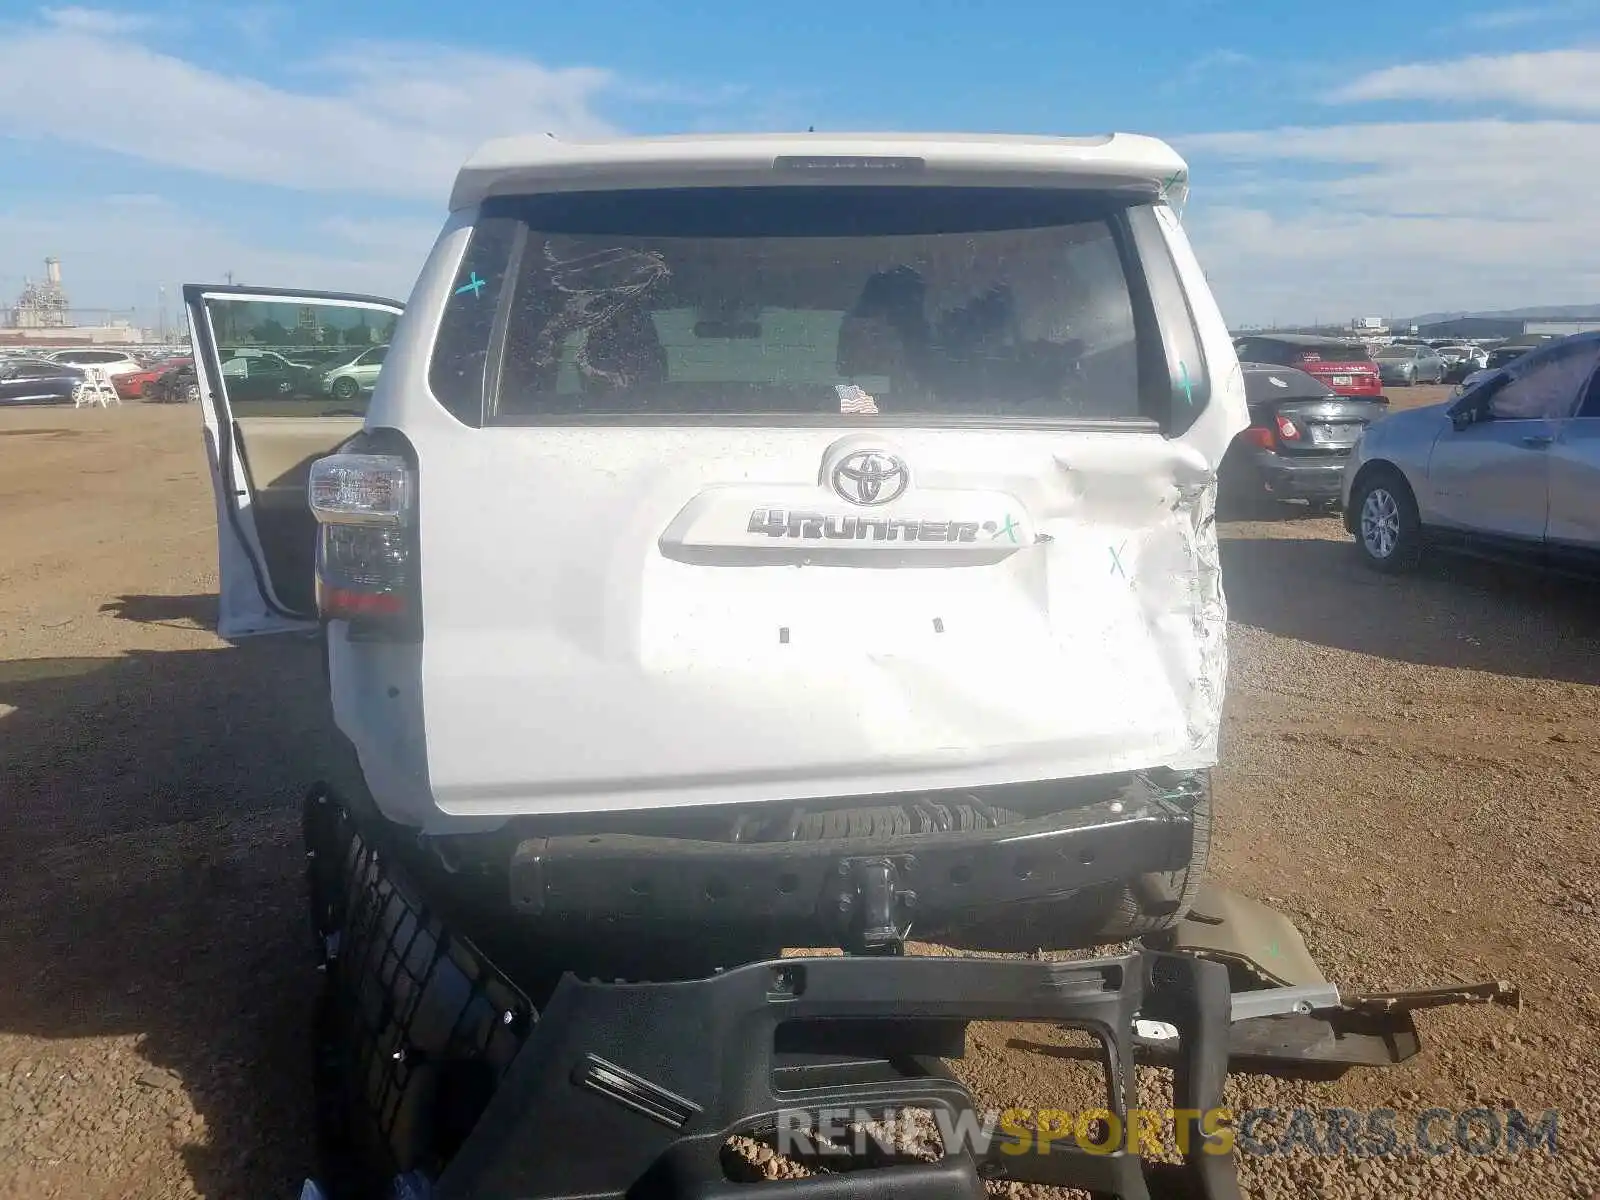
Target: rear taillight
[(366, 540), (1257, 436), (1287, 429)]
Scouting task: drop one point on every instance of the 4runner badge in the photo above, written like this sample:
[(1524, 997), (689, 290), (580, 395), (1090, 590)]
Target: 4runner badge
[(870, 477)]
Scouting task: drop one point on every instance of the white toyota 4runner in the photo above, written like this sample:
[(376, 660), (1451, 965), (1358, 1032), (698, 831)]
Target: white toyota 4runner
[(788, 538)]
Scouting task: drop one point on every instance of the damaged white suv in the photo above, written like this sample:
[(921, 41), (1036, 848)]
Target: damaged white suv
[(785, 539)]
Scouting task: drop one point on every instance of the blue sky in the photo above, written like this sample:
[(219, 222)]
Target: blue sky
[(1439, 156)]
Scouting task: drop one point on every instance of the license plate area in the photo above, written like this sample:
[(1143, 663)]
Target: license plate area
[(1342, 380), (1341, 433)]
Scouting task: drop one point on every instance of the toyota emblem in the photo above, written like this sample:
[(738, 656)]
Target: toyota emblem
[(870, 477)]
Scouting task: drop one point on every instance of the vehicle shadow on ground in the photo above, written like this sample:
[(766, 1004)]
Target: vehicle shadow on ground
[(150, 884), (198, 611), (1452, 611)]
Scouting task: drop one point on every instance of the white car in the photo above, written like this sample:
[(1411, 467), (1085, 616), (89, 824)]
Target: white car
[(113, 362), (358, 375), (735, 510)]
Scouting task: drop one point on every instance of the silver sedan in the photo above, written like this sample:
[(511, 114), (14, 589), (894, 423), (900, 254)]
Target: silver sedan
[(1508, 466), (1405, 365)]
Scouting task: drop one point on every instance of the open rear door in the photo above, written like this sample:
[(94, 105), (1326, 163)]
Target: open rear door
[(266, 361)]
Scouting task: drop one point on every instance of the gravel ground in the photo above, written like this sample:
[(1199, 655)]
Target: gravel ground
[(1409, 772)]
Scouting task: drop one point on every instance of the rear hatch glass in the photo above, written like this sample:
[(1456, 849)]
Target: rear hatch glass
[(795, 302)]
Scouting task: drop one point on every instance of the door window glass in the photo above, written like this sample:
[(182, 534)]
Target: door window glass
[(277, 355), (1546, 387)]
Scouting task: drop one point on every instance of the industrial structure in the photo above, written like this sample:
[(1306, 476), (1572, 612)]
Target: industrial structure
[(42, 316)]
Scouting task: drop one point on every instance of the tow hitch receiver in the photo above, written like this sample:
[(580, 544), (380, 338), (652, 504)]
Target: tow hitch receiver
[(872, 904)]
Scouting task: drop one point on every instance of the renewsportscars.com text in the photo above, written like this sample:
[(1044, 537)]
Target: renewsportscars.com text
[(1331, 1132)]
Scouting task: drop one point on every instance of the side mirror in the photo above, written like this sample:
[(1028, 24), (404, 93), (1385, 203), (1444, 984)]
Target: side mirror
[(1471, 409)]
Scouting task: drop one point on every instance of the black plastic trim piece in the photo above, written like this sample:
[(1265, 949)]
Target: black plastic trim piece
[(546, 1136)]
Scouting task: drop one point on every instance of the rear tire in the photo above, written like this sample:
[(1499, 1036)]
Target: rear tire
[(1156, 902), (1388, 529), (1145, 905)]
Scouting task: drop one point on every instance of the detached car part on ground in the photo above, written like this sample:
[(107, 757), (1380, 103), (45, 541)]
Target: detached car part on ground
[(814, 539), (1508, 468)]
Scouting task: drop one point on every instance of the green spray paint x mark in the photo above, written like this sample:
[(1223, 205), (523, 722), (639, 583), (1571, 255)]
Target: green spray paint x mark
[(1188, 388)]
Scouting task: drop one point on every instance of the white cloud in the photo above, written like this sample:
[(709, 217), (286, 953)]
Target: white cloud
[(1516, 18), (257, 23), (1397, 218), (1552, 80), (116, 254), (95, 22), (388, 118)]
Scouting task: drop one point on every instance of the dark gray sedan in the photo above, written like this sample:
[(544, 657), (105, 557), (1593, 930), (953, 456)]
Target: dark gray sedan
[(1509, 467), (1300, 436), (37, 381)]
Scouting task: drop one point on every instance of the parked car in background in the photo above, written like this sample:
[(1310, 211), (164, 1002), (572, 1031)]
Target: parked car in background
[(37, 381), (1462, 360), (136, 385), (267, 375), (1510, 467), (176, 385), (113, 362), (1502, 356), (1346, 367), (1407, 364), (358, 375), (1300, 437)]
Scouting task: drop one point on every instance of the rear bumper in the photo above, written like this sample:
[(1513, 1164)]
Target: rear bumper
[(839, 888), (1295, 479)]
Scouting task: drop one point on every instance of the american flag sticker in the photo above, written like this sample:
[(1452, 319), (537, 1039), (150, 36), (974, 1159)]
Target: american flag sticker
[(853, 400)]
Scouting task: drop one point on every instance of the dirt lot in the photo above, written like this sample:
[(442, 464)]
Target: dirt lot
[(1409, 771)]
